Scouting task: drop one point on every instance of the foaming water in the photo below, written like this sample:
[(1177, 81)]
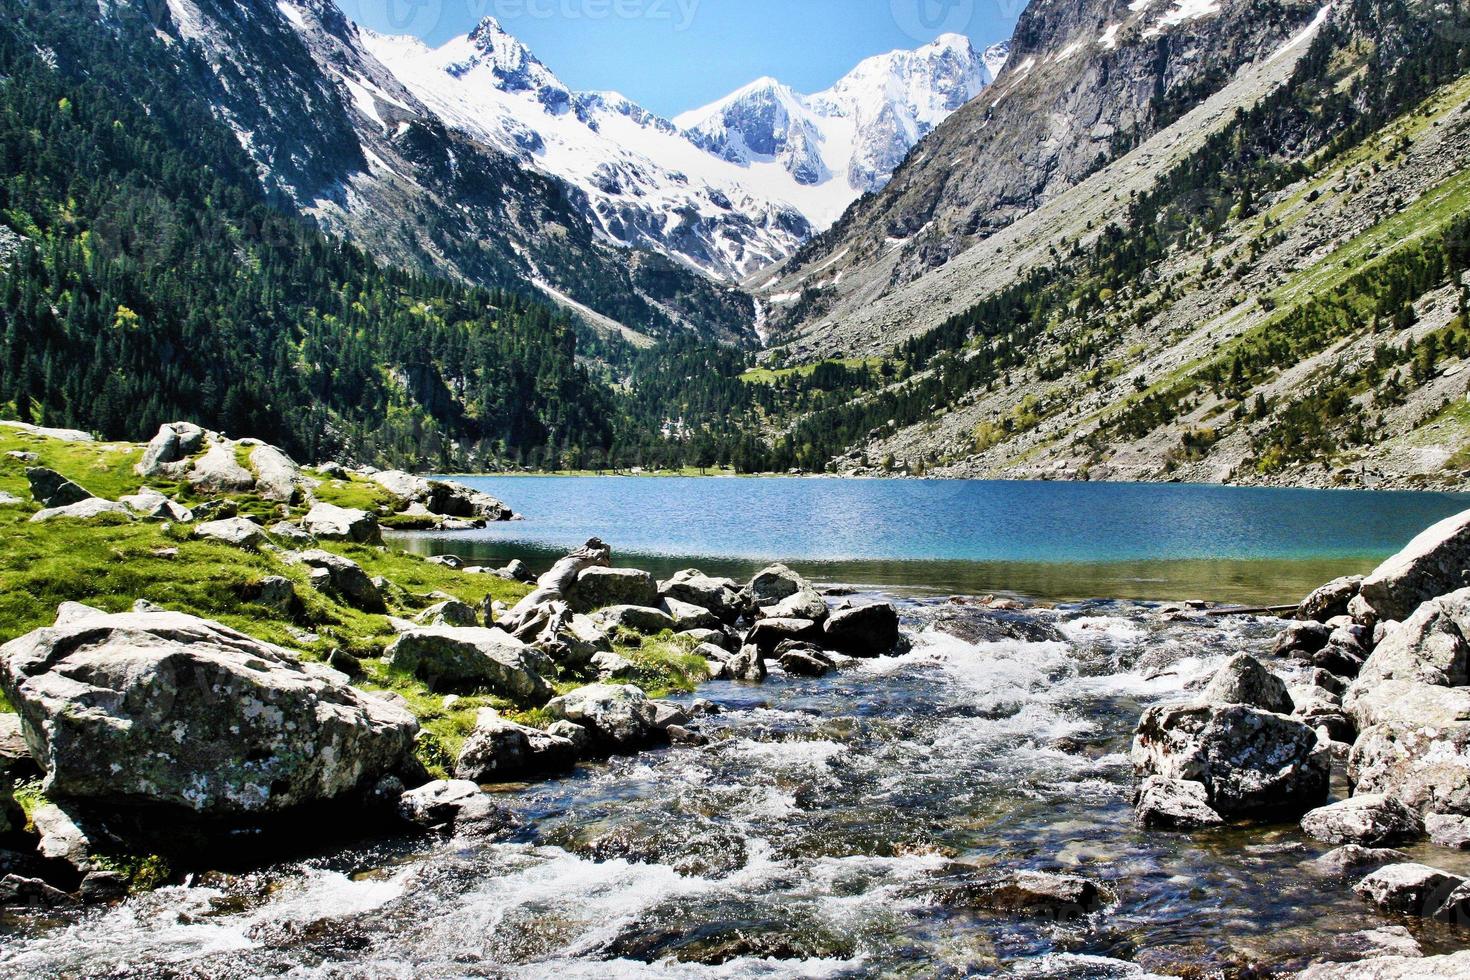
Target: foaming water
[(812, 837)]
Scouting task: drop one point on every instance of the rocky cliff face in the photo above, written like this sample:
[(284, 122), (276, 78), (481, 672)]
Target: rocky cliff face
[(337, 136), (1086, 80)]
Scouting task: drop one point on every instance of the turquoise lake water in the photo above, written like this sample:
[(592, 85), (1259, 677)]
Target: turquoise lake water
[(1051, 540)]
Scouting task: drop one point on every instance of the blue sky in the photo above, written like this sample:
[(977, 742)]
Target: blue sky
[(673, 55)]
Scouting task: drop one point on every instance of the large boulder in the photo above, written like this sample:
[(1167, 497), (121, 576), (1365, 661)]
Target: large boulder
[(449, 657), (1369, 819), (687, 616), (772, 584), (1301, 640), (442, 498), (175, 442), (499, 751), (1433, 564), (862, 631), (639, 619), (1250, 762), (165, 708), (1412, 889), (329, 522), (50, 489), (1425, 765), (219, 470), (1245, 680), (619, 716), (277, 476), (720, 596), (1453, 966), (768, 634), (597, 588), (345, 578), (805, 603), (235, 531), (1430, 646), (83, 510), (1330, 600)]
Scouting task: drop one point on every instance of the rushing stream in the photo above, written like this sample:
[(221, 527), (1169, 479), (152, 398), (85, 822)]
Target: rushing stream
[(816, 835)]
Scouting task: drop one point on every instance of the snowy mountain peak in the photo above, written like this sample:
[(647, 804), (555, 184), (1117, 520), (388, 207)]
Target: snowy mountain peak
[(855, 133)]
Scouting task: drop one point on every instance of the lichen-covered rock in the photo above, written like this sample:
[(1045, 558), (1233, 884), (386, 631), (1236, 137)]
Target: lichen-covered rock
[(235, 531), (1245, 680), (1449, 830), (499, 751), (720, 596), (1430, 646), (344, 577), (447, 657), (1370, 819), (331, 523), (620, 717), (167, 708), (1330, 600), (1424, 764), (1248, 760), (50, 489), (598, 588), (1173, 804), (862, 631), (1435, 563)]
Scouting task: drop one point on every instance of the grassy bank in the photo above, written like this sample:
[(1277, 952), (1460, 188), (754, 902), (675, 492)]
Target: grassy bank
[(112, 563)]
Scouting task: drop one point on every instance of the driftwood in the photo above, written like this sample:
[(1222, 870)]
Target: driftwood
[(552, 586), (1252, 611)]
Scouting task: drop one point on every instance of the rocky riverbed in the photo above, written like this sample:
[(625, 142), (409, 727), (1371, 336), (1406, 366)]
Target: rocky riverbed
[(852, 784)]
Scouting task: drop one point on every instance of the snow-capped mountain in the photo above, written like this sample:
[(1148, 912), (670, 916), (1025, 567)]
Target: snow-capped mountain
[(847, 140), (728, 189)]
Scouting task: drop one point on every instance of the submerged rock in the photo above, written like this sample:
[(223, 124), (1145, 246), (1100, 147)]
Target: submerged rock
[(1248, 760), (165, 708), (1173, 804), (1369, 819), (1355, 857), (1039, 894)]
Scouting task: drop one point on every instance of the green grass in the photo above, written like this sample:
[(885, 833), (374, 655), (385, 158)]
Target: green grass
[(770, 375), (358, 494)]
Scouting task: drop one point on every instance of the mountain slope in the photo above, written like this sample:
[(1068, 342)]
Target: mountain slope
[(334, 132), (1086, 82)]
